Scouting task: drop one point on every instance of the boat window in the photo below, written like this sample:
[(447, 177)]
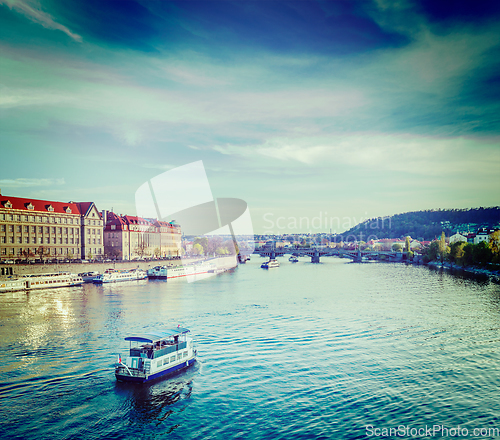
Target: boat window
[(165, 361), (185, 354), (172, 359), (159, 363)]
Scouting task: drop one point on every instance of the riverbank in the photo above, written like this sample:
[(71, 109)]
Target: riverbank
[(493, 275), (223, 263)]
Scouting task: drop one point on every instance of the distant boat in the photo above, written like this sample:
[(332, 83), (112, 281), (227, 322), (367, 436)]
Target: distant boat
[(156, 354), (165, 272), (270, 264), (294, 259)]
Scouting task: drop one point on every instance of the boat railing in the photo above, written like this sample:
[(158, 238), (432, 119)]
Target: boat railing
[(169, 349)]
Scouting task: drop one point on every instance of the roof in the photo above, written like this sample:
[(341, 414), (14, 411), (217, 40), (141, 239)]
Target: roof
[(39, 205), (157, 336)]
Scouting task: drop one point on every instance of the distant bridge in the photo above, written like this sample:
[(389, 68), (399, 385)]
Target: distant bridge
[(315, 254)]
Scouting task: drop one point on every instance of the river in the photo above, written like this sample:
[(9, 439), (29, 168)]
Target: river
[(305, 351)]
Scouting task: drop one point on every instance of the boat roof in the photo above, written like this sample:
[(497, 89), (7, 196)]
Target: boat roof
[(157, 336)]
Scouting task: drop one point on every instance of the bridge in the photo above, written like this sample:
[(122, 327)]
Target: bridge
[(356, 255)]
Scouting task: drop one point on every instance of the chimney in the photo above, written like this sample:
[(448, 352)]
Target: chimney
[(104, 217)]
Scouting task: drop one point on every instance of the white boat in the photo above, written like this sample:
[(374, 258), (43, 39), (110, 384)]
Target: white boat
[(270, 264), (40, 281), (294, 259), (115, 276), (156, 354), (190, 270), (50, 280), (12, 284)]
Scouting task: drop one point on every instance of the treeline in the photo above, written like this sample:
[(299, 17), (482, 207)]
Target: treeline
[(465, 254), (425, 225)]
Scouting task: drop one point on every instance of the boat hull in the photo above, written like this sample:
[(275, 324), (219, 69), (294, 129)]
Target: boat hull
[(159, 374)]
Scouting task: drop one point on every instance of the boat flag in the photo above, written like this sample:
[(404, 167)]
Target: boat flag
[(119, 359)]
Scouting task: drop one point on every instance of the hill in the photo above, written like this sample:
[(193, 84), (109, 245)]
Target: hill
[(425, 225)]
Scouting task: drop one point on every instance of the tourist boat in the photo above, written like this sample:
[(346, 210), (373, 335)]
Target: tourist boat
[(270, 264), (114, 276), (294, 259), (156, 354), (40, 281), (190, 270), (12, 284)]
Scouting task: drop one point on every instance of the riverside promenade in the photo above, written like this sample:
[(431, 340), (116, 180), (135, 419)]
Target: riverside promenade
[(23, 269)]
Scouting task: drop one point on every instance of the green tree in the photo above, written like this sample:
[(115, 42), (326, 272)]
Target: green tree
[(197, 249), (457, 253), (203, 242), (397, 247), (157, 252)]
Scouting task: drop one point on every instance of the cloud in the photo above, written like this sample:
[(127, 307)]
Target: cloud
[(417, 155), (32, 10), (28, 182)]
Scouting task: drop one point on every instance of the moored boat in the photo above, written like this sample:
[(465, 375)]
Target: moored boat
[(40, 281), (114, 276), (294, 259), (88, 277), (156, 354), (158, 272), (190, 270), (270, 264)]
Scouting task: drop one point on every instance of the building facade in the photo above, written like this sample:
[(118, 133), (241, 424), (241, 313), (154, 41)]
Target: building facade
[(127, 237), (31, 228)]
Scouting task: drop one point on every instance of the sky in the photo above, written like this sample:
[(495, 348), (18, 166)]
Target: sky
[(318, 114)]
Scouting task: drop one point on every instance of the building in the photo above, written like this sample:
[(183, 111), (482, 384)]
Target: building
[(32, 228), (127, 237), (458, 238)]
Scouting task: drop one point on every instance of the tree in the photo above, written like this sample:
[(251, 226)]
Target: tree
[(42, 252), (457, 252), (197, 249), (397, 247), (495, 246), (157, 252), (203, 242), (443, 249), (407, 244), (141, 248)]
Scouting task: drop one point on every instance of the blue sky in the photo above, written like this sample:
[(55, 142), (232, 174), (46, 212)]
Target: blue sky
[(334, 109)]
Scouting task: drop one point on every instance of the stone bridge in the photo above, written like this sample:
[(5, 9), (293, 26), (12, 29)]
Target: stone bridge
[(315, 254)]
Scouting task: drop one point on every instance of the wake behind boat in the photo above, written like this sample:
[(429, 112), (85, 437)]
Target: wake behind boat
[(156, 354)]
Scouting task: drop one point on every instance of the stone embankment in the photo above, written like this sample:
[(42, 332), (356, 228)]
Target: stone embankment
[(23, 269)]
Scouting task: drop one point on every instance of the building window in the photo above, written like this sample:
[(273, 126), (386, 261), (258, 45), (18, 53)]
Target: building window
[(89, 241), (18, 228), (40, 229), (59, 230), (31, 218), (2, 228), (38, 218), (71, 241), (2, 239), (94, 241), (4, 251), (40, 240), (19, 240), (33, 229), (77, 240), (54, 240), (46, 229), (33, 240), (66, 241), (11, 228), (47, 240), (113, 227), (60, 241), (98, 241), (26, 228)]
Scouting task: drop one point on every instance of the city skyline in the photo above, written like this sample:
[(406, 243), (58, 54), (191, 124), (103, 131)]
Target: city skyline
[(344, 110)]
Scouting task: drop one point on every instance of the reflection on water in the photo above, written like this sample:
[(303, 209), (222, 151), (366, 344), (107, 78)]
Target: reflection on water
[(303, 351)]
